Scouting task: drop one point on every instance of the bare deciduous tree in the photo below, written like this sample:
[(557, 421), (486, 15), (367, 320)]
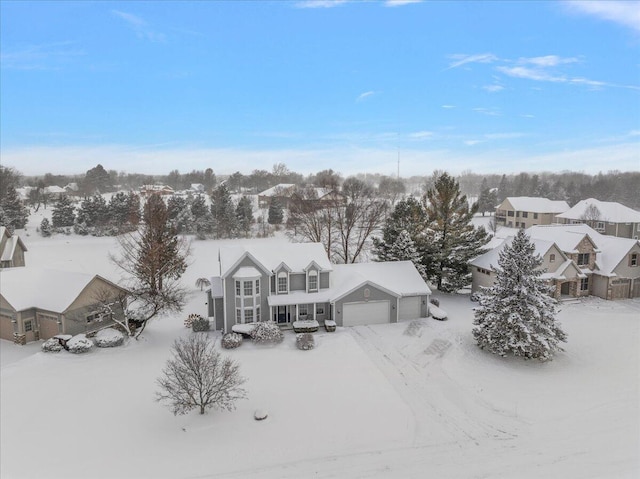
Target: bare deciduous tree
[(199, 377)]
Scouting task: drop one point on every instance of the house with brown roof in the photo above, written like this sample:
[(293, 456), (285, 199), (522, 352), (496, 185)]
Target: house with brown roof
[(606, 217), (526, 211)]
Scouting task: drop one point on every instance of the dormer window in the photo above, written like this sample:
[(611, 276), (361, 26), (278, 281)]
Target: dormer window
[(313, 280), (283, 282), (552, 258)]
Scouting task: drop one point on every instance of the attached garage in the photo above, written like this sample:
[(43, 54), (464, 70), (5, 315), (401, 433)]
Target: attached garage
[(370, 312), (410, 307), (620, 288), (6, 327), (48, 326)]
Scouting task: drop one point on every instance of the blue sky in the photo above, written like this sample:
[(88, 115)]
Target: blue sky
[(494, 87)]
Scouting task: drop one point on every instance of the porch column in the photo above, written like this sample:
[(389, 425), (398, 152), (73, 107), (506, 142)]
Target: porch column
[(314, 311), (295, 312)]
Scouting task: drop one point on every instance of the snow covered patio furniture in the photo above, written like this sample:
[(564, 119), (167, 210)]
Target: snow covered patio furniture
[(330, 326), (306, 326)]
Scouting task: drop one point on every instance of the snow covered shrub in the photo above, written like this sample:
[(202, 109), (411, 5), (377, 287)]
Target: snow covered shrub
[(189, 321), (231, 340), (267, 332), (52, 345), (109, 338), (81, 229), (437, 313), (200, 324), (435, 302), (79, 344), (475, 296), (45, 228), (305, 341)]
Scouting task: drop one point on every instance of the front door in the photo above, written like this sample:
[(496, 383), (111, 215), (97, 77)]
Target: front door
[(564, 289), (282, 314)]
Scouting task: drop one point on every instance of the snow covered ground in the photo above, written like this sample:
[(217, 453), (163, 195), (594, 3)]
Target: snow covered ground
[(413, 399)]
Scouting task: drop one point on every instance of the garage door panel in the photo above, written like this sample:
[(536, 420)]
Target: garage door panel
[(371, 312), (409, 307), (6, 328)]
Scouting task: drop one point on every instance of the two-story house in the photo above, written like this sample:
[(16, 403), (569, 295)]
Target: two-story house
[(606, 217), (298, 283), (526, 211), (577, 260)]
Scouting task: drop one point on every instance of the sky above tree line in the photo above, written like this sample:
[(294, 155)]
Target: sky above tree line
[(148, 87)]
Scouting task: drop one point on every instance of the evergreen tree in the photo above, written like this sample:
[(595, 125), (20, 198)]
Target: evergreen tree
[(223, 212), (517, 314), (97, 180), (404, 249), (244, 213), (408, 216), (15, 214), (63, 213), (199, 207), (487, 201), (451, 237), (93, 212), (124, 211), (276, 212), (179, 214)]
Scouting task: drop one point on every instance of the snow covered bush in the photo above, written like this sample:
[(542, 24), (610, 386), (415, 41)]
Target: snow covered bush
[(305, 341), (109, 338), (198, 377), (45, 228), (437, 313), (475, 296), (517, 314), (435, 301), (188, 323), (231, 340), (52, 345), (79, 344), (200, 324), (267, 332)]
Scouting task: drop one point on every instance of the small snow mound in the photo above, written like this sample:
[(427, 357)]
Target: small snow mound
[(260, 415), (109, 338), (52, 345), (438, 313), (79, 344), (245, 329)]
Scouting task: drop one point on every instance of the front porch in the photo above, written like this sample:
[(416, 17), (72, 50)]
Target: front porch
[(286, 315)]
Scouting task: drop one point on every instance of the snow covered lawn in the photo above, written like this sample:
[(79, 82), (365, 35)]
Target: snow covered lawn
[(413, 399)]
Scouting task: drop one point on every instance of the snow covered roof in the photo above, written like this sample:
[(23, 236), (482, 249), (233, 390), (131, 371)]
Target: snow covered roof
[(489, 259), (9, 247), (53, 290), (567, 237), (277, 189), (53, 189), (609, 211), (537, 205), (399, 277), (297, 256)]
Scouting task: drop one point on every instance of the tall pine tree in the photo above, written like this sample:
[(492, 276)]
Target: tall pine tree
[(15, 214), (63, 213), (224, 213), (517, 314), (408, 216), (451, 238), (403, 249)]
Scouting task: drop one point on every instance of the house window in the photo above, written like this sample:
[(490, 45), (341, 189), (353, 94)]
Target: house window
[(600, 226), (535, 216), (319, 309), (552, 258), (282, 282), (257, 286), (303, 310), (313, 281), (583, 259), (95, 317), (28, 326), (517, 214), (584, 284), (248, 315), (633, 260), (238, 315), (237, 288), (258, 313), (509, 213), (525, 214), (248, 288)]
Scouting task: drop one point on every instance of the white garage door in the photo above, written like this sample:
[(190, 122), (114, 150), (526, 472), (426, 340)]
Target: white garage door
[(409, 307), (372, 312)]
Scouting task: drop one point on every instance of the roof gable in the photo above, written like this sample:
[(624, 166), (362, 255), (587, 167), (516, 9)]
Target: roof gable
[(610, 211)]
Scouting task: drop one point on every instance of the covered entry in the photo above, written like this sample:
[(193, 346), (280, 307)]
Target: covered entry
[(370, 312)]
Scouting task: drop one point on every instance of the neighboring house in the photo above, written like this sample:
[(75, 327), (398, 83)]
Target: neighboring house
[(54, 192), (606, 217), (39, 304), (299, 283), (197, 187), (526, 211), (577, 260), (281, 192), (148, 190), (319, 198), (72, 188), (12, 249)]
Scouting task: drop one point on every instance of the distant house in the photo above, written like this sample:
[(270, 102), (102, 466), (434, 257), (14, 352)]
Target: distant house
[(39, 304), (606, 217), (197, 187), (148, 190), (12, 249), (54, 192), (526, 211), (577, 260), (299, 283), (282, 192)]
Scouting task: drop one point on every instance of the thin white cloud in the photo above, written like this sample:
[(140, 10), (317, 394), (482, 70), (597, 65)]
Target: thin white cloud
[(319, 3), (140, 27), (493, 111), (400, 3), (448, 107), (493, 88), (459, 59), (44, 56), (548, 60), (626, 13), (421, 135), (365, 95)]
